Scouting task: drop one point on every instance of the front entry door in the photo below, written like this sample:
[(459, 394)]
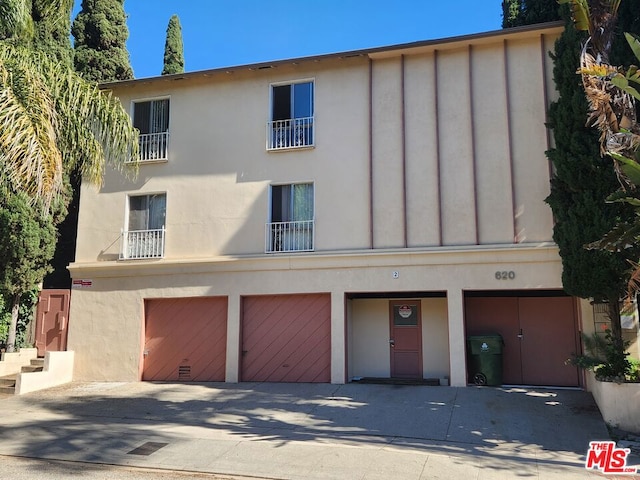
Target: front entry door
[(405, 340), (52, 321)]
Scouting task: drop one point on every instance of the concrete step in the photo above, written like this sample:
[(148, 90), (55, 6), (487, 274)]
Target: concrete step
[(31, 368), (8, 381), (37, 362)]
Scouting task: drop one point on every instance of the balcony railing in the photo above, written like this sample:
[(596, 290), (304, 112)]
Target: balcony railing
[(141, 244), (293, 133), (289, 237), (154, 146)]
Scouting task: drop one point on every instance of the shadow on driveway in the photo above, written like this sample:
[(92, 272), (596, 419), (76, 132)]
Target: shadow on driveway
[(103, 422)]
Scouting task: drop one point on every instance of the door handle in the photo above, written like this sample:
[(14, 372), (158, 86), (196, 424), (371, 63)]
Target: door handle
[(392, 342), (520, 335), (145, 353)]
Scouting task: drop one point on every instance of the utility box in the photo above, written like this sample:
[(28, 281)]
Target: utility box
[(484, 359)]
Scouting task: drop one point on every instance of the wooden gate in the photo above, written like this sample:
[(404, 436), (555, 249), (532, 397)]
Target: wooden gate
[(539, 334), (52, 321)]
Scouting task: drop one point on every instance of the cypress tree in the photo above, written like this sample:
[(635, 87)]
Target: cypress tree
[(51, 29), (100, 32), (28, 241), (540, 11), (173, 48), (527, 12), (582, 182)]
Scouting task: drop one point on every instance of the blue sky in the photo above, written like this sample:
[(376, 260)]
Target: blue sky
[(223, 33)]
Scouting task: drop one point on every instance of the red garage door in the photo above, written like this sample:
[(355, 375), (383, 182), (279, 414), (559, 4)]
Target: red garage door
[(185, 339), (539, 334), (286, 338)]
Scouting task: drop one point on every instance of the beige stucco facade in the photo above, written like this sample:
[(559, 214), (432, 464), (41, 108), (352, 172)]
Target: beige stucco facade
[(429, 178)]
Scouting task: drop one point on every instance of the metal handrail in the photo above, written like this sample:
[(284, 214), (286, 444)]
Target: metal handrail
[(154, 146), (289, 236), (141, 244), (291, 133)]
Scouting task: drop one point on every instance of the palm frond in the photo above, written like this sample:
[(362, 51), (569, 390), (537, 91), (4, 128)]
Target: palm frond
[(29, 157), (15, 19), (581, 14), (55, 121)]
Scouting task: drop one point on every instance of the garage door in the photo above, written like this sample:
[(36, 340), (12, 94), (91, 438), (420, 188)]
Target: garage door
[(185, 339), (286, 338), (539, 334)]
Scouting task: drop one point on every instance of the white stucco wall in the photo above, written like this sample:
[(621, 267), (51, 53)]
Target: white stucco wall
[(369, 338), (108, 315), (455, 156)]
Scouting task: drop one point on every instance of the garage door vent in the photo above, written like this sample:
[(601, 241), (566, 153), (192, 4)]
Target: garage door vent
[(184, 372)]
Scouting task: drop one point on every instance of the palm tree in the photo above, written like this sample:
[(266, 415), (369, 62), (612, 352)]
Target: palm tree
[(54, 122)]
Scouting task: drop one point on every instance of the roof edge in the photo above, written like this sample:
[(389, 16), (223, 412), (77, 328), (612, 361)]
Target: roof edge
[(503, 32)]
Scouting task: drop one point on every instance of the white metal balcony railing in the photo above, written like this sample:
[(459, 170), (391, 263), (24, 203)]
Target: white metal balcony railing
[(293, 133), (154, 146), (140, 244), (289, 236)]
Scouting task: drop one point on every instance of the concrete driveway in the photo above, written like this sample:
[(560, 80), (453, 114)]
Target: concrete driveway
[(309, 431)]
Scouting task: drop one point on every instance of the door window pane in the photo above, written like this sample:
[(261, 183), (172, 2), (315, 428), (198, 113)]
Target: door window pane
[(405, 315), (303, 100), (302, 204)]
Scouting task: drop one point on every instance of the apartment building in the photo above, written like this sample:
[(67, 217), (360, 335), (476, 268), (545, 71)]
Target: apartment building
[(329, 218)]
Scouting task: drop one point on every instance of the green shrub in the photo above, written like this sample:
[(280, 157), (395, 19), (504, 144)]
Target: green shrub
[(607, 362)]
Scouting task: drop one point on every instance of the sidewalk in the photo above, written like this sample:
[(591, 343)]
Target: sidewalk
[(305, 431)]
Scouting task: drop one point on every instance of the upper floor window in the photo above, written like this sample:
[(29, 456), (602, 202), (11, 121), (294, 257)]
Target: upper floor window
[(144, 237), (291, 122), (291, 218), (152, 119)]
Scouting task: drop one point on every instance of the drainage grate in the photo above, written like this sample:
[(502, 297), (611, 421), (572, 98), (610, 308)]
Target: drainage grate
[(147, 448), (184, 372)]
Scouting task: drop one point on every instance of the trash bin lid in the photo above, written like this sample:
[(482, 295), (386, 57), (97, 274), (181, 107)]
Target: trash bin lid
[(485, 344)]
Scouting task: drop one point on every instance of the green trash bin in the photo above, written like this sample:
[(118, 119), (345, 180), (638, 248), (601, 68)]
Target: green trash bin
[(484, 359)]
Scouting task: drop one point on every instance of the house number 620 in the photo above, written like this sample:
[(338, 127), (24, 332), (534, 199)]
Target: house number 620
[(510, 275)]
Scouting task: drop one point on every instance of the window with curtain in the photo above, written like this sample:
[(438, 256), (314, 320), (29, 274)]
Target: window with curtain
[(291, 227), (151, 116), (292, 203), (147, 212)]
